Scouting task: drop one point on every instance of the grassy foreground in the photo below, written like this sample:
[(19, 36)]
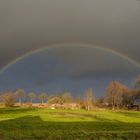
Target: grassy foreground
[(44, 124)]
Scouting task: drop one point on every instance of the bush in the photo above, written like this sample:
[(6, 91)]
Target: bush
[(8, 99)]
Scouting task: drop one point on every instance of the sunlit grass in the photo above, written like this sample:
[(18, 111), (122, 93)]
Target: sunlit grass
[(71, 115), (24, 123)]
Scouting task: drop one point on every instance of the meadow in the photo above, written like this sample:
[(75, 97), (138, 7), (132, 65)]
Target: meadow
[(46, 124)]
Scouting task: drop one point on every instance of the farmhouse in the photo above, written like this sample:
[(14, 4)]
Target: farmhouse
[(137, 104), (72, 106)]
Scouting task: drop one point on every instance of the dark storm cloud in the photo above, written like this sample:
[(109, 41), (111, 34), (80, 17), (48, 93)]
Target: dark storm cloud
[(81, 62), (28, 25), (67, 69)]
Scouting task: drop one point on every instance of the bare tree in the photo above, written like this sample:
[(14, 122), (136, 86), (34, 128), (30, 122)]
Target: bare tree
[(8, 98), (32, 96), (66, 97), (53, 100), (20, 93), (114, 94), (43, 97), (61, 98), (89, 97)]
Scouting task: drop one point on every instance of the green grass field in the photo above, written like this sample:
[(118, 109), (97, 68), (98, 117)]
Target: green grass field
[(44, 124)]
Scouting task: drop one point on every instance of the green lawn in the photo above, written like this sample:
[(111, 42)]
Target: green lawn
[(44, 124)]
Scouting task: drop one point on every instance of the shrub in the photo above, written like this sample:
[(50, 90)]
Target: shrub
[(9, 99)]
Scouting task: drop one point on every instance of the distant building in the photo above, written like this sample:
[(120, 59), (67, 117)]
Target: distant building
[(137, 104), (72, 106)]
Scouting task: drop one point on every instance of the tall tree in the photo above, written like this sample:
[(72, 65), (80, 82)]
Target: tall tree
[(61, 98), (43, 97), (89, 97), (32, 96), (114, 93), (20, 93)]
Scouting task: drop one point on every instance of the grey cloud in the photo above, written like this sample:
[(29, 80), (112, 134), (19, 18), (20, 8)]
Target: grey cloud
[(29, 25), (68, 68), (91, 62)]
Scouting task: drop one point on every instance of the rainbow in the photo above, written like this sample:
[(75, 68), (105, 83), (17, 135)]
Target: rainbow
[(132, 61)]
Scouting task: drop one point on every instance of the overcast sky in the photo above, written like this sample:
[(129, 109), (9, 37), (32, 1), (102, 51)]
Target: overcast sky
[(68, 68), (114, 24)]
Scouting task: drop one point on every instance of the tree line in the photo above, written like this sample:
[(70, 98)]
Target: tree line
[(10, 98), (116, 96)]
